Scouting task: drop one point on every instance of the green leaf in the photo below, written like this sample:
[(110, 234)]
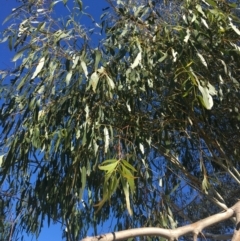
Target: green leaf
[(207, 96), (53, 3), (23, 81), (109, 161), (18, 54), (39, 67), (211, 2), (165, 55), (1, 159), (199, 8), (83, 181), (93, 81), (127, 195), (58, 35), (202, 59), (10, 39), (98, 56), (75, 61), (137, 61), (114, 183), (80, 4), (186, 38), (128, 165), (234, 27), (8, 18), (109, 168), (68, 77), (110, 82), (130, 178), (84, 67), (106, 139), (205, 184)]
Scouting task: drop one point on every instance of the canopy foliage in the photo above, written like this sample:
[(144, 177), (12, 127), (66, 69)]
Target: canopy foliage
[(144, 128)]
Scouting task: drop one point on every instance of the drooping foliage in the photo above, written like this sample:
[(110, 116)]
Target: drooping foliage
[(144, 128)]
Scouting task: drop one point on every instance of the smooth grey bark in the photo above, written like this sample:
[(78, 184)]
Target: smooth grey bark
[(173, 234)]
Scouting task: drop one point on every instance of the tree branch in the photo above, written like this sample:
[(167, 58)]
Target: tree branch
[(173, 234)]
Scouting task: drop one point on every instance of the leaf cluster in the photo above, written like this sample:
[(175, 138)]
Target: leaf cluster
[(128, 126)]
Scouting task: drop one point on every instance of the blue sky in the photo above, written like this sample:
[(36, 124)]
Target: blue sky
[(54, 232)]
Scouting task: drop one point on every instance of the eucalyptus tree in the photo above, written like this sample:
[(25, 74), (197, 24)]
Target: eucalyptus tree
[(143, 129)]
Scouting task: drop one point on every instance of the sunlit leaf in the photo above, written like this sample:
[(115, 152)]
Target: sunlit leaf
[(137, 60), (127, 195), (109, 168), (110, 82), (128, 165), (106, 139), (187, 36), (202, 59), (129, 178), (38, 68), (68, 77), (98, 56), (1, 159), (234, 27), (84, 67), (93, 81), (83, 181), (204, 23)]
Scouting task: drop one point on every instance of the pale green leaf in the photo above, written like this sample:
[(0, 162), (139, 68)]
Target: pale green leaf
[(39, 67), (60, 35), (22, 82), (98, 56), (106, 139), (114, 182), (210, 2), (41, 89), (128, 165), (18, 55), (53, 3), (75, 61), (109, 161), (234, 27), (1, 159), (202, 59), (160, 182), (137, 60), (110, 82), (199, 8), (205, 183), (83, 181), (93, 81), (109, 168), (174, 54), (207, 98), (126, 173), (163, 57), (95, 147), (187, 36), (68, 77), (127, 195), (84, 67), (141, 147), (80, 5), (225, 66)]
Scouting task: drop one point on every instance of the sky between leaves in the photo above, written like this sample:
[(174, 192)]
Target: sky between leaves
[(93, 7)]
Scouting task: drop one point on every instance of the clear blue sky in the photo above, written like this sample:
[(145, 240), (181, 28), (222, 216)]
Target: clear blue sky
[(54, 233)]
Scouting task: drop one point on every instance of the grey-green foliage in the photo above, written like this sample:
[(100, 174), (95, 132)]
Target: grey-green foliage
[(129, 126)]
